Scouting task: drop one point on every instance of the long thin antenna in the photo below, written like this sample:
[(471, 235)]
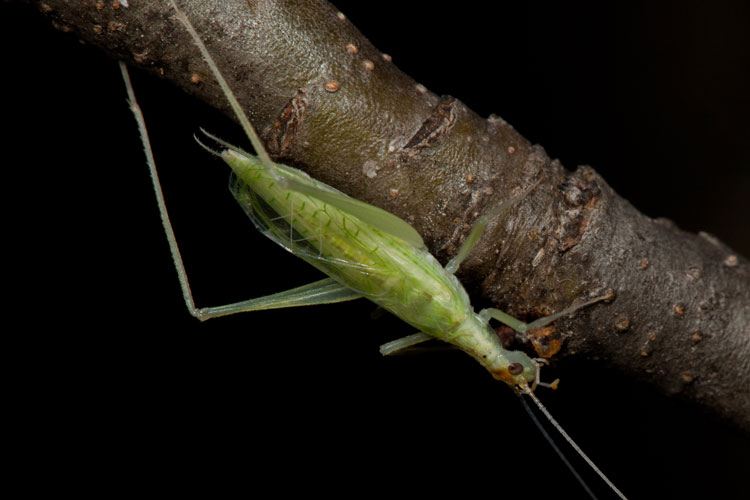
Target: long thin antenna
[(570, 441), (555, 447), (241, 116)]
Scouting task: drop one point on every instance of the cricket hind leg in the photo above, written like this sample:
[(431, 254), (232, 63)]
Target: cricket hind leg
[(325, 291)]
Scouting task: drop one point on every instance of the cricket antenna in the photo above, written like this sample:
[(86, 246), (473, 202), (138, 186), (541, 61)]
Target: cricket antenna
[(554, 446), (526, 390), (241, 116)]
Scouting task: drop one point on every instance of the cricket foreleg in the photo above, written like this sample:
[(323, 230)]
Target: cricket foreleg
[(523, 327)]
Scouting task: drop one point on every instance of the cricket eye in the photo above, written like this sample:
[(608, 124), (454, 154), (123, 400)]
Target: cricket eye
[(515, 368)]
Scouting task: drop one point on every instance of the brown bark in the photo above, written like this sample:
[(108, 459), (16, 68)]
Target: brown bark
[(348, 116)]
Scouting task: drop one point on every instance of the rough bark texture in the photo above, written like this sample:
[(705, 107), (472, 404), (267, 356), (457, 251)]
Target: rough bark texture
[(329, 102)]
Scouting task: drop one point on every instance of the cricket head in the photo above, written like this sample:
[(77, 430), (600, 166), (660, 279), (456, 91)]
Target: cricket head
[(514, 368)]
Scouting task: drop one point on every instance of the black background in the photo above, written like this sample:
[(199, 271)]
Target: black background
[(109, 363)]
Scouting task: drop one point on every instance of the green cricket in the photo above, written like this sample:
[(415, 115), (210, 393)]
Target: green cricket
[(365, 251)]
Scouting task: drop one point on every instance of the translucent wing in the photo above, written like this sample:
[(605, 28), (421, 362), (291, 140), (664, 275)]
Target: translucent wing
[(298, 181), (371, 214), (304, 244)]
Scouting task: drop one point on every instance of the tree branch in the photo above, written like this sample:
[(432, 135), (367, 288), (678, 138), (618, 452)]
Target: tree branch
[(331, 103)]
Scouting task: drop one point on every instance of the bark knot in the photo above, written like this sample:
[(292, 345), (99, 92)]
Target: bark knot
[(281, 135), (580, 196), (440, 121)]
